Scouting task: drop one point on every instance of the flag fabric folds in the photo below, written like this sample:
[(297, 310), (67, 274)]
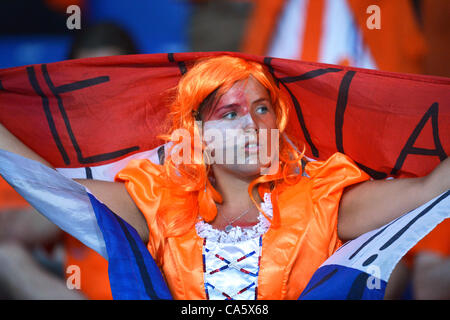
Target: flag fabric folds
[(85, 113)]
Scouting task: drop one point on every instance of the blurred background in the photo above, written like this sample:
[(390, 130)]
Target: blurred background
[(414, 35), (413, 38)]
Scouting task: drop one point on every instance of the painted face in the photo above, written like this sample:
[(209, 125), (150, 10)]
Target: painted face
[(239, 130)]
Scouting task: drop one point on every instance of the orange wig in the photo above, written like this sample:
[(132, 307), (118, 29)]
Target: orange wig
[(188, 192)]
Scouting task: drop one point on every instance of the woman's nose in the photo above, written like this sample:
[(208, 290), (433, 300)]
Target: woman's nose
[(250, 124)]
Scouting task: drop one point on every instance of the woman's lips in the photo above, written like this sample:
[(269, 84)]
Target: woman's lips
[(251, 147)]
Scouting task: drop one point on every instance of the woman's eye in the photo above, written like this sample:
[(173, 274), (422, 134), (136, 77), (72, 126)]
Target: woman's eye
[(262, 109), (230, 115)]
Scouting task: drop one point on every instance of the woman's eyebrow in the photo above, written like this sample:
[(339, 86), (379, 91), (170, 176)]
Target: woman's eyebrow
[(233, 105), (228, 106), (260, 100)]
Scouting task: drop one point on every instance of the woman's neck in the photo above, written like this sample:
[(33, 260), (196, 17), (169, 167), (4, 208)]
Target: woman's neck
[(236, 200)]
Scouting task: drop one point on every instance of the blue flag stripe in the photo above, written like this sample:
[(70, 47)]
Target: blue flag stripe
[(358, 287), (321, 281), (337, 282), (133, 273), (139, 260)]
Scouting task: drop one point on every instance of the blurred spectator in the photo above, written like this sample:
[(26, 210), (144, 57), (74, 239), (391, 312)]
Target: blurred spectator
[(413, 38), (100, 40), (217, 25), (30, 266)]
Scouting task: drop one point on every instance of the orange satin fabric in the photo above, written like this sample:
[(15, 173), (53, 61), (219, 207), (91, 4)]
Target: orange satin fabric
[(291, 253)]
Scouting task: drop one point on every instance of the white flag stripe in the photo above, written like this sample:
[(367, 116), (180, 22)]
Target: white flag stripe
[(107, 172), (415, 224), (60, 199)]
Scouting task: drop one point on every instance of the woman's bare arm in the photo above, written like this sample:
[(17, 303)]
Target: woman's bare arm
[(116, 197), (112, 194), (10, 143), (372, 204)]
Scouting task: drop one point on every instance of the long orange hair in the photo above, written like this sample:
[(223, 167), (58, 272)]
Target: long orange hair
[(188, 193)]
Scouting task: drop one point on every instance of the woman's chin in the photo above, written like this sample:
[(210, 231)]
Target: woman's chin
[(243, 170)]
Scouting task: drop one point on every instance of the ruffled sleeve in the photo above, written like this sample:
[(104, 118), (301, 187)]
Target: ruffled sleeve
[(327, 181), (142, 181)]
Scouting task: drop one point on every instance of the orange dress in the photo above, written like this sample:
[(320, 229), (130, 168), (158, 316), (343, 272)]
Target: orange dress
[(291, 253)]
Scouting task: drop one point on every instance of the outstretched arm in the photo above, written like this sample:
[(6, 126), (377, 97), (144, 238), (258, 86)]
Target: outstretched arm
[(371, 204), (113, 194)]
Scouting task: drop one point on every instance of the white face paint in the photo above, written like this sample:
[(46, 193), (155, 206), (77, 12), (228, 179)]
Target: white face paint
[(239, 145), (236, 129), (231, 142)]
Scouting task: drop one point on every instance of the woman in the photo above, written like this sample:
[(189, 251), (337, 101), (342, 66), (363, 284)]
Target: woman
[(224, 230)]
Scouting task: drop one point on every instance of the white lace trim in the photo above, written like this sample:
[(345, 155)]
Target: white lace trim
[(238, 234)]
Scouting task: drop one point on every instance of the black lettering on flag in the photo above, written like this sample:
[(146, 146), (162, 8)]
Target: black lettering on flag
[(181, 64), (371, 172), (301, 120), (433, 113), (268, 63), (369, 260), (341, 105), (161, 154), (371, 239), (358, 287), (81, 84), (399, 233), (310, 74), (396, 236), (48, 114), (88, 173), (63, 89), (306, 76)]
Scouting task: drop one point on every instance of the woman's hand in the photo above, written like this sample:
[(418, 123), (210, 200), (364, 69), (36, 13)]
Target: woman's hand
[(371, 204)]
